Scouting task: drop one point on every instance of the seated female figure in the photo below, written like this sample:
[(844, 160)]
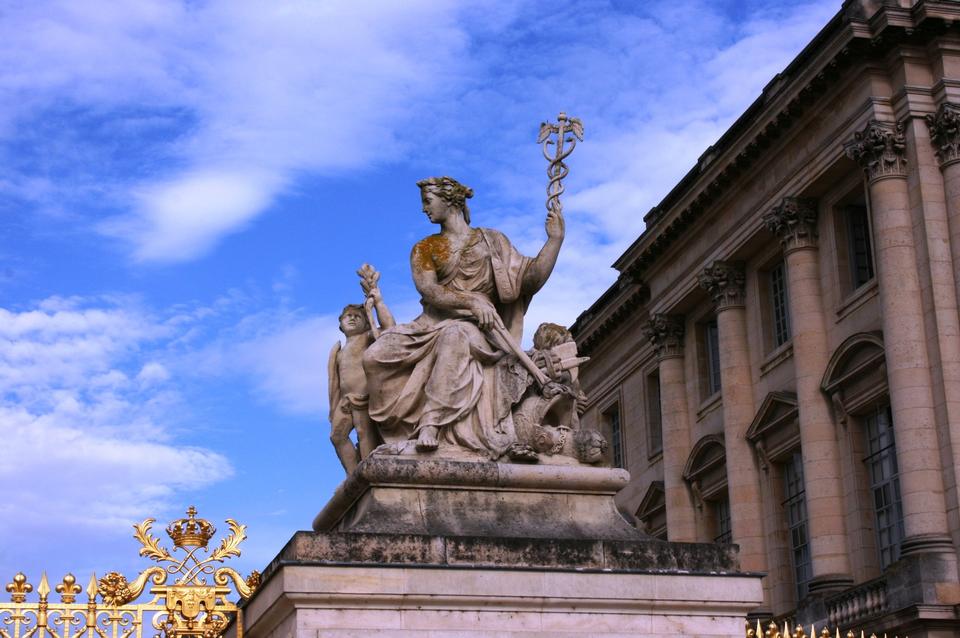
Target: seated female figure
[(433, 379)]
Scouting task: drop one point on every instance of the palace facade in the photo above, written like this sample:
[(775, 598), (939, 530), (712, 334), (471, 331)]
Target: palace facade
[(778, 365)]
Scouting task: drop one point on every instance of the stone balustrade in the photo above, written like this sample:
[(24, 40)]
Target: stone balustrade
[(864, 601)]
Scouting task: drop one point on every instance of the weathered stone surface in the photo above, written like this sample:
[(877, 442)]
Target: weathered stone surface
[(442, 497), (407, 550)]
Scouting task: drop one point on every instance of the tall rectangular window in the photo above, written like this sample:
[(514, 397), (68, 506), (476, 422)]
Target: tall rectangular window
[(612, 417), (778, 299), (795, 506), (884, 484), (721, 510), (654, 414), (858, 238), (712, 337)]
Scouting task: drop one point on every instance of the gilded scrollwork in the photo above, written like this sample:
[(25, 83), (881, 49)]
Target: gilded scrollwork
[(190, 607)]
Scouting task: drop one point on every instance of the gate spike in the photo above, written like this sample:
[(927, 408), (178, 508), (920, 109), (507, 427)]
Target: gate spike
[(44, 588), (92, 587)]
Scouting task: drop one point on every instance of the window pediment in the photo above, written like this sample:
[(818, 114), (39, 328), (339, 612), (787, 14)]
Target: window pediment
[(653, 510), (706, 468), (775, 429), (856, 376)]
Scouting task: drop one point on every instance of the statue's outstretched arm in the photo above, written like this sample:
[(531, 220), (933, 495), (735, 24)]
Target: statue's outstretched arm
[(542, 265), (384, 316)]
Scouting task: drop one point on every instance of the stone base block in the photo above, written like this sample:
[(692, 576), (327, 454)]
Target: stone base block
[(342, 585), (456, 498)]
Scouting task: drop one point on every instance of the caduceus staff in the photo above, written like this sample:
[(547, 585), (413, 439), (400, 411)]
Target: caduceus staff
[(563, 137), (568, 130)]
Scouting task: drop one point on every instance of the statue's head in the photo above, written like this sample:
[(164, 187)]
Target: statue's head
[(450, 191), (353, 320), (550, 335)]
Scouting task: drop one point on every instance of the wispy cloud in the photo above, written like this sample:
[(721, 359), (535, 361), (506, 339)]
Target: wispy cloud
[(87, 417), (236, 98)]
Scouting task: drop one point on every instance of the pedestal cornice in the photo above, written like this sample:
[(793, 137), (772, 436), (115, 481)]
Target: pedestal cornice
[(666, 332), (794, 222), (945, 133), (880, 150), (725, 282)]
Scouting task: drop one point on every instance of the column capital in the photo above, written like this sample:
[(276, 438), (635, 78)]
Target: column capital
[(725, 282), (945, 133), (666, 332), (880, 150), (794, 221)]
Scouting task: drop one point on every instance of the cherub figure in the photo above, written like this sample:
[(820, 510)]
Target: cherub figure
[(347, 382)]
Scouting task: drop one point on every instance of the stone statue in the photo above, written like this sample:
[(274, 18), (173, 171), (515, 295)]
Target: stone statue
[(455, 382), (435, 377), (346, 381)]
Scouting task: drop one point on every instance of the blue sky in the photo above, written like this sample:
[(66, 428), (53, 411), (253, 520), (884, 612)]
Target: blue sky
[(188, 187)]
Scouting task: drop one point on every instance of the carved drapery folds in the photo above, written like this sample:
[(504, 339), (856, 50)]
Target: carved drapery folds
[(665, 332), (794, 222), (945, 133), (880, 150), (725, 283)]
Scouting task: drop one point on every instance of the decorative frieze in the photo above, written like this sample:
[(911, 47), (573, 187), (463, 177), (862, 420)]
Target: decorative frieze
[(794, 222), (945, 133), (666, 332), (880, 150), (725, 282)]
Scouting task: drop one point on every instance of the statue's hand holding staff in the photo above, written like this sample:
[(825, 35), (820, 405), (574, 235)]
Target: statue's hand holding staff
[(554, 225)]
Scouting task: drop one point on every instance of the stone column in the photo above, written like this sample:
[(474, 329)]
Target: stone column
[(725, 283), (945, 137), (880, 151), (794, 221), (944, 129), (666, 333)]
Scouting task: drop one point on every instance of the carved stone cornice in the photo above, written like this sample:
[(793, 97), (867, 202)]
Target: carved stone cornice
[(725, 282), (794, 221), (666, 332), (880, 150), (945, 133)]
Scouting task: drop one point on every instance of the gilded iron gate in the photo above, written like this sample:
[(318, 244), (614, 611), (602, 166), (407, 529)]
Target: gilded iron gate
[(189, 592)]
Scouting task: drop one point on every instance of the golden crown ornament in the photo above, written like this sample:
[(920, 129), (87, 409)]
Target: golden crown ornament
[(191, 531)]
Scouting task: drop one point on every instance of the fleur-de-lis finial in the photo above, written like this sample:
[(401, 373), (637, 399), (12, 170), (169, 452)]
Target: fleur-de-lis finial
[(19, 588), (68, 589)]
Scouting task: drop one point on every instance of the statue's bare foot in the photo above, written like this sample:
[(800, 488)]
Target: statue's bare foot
[(427, 441)]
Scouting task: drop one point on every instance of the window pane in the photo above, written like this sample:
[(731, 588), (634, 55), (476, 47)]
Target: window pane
[(654, 414), (713, 357), (778, 298), (861, 257), (885, 484), (795, 507), (616, 436), (721, 509)]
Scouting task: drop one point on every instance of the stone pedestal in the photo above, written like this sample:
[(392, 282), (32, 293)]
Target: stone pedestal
[(439, 548)]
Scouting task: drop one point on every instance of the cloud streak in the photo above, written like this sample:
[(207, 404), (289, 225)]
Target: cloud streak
[(87, 418), (236, 98)]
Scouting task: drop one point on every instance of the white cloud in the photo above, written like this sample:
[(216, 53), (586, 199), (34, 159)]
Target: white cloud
[(85, 445), (253, 93)]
